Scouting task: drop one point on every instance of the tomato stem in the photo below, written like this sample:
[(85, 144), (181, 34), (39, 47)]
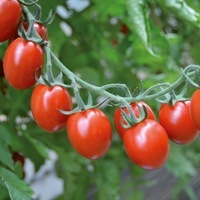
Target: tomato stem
[(144, 96)]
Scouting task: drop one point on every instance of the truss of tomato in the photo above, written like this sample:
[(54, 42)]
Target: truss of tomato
[(147, 144), (118, 117), (89, 133), (10, 16), (195, 108), (177, 121), (45, 104), (22, 60)]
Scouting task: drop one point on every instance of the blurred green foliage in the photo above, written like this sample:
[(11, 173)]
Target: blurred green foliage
[(161, 36)]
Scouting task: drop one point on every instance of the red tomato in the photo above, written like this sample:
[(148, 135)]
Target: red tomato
[(118, 117), (21, 60), (195, 108), (90, 133), (177, 122), (41, 30), (10, 15), (147, 144), (45, 102)]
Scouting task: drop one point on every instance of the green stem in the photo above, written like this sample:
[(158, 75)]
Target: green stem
[(118, 86), (49, 65), (115, 98), (88, 86), (35, 37)]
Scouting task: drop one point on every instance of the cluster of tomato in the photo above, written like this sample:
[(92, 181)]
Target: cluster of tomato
[(147, 143), (90, 131)]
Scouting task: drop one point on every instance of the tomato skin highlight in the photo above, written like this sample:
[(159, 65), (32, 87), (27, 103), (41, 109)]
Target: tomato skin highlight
[(10, 16), (21, 60), (41, 30), (89, 133), (118, 117), (147, 144), (178, 123), (45, 102), (195, 108)]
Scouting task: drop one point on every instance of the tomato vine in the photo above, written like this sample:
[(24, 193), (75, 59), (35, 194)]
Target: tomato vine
[(161, 92)]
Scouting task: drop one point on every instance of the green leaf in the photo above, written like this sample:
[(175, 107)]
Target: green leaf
[(4, 193), (106, 8), (16, 100), (4, 135), (5, 140), (39, 146), (138, 16), (30, 150), (183, 10), (5, 156), (17, 188)]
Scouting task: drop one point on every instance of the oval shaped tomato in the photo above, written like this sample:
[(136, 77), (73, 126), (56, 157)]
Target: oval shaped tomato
[(89, 133), (177, 122), (147, 144), (195, 108), (10, 15), (118, 117), (21, 60), (45, 102)]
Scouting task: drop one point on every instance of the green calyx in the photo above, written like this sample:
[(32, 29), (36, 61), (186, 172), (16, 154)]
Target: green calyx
[(130, 119)]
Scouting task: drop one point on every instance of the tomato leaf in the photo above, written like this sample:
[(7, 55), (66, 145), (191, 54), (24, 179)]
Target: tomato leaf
[(30, 150), (4, 135), (17, 106), (39, 146), (106, 8), (139, 18), (4, 192), (5, 155), (17, 188), (183, 10)]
